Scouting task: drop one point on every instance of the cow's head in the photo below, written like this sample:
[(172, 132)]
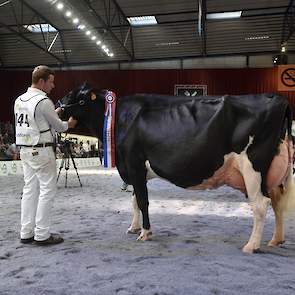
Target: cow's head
[(84, 103), (80, 101)]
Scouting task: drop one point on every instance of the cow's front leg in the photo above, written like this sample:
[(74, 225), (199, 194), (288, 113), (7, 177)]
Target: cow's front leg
[(142, 201), (145, 235), (135, 227), (141, 193)]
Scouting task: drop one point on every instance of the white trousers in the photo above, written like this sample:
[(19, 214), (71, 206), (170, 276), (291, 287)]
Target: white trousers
[(40, 187)]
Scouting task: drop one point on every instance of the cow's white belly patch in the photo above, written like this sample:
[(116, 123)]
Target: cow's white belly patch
[(150, 172), (233, 172), (227, 174), (230, 172)]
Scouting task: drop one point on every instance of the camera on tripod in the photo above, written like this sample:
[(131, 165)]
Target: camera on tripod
[(66, 147)]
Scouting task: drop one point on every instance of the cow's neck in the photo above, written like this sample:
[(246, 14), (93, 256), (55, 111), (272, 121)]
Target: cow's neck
[(94, 122)]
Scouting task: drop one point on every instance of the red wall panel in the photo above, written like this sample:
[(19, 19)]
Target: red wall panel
[(123, 82)]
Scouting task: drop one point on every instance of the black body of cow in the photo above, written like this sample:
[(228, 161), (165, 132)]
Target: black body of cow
[(184, 139)]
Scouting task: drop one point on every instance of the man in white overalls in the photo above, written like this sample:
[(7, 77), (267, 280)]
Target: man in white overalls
[(36, 121)]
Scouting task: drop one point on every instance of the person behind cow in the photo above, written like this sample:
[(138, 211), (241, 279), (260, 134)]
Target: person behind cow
[(35, 124), (86, 148)]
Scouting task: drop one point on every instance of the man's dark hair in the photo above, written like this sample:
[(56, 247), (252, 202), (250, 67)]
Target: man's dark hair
[(41, 72)]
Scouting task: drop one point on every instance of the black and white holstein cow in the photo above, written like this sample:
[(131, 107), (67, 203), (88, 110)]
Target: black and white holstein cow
[(197, 143)]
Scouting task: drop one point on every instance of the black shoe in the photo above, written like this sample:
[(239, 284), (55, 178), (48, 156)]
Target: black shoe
[(27, 241), (52, 240)]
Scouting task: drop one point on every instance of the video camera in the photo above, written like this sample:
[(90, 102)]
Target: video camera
[(65, 145)]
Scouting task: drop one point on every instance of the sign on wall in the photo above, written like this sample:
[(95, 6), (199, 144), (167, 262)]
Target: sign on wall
[(286, 78), (190, 90)]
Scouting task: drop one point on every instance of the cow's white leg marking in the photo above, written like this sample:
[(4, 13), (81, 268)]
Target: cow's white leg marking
[(135, 227), (259, 207), (258, 202)]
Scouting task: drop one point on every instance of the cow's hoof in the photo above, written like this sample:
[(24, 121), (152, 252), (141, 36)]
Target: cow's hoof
[(250, 249), (275, 243), (145, 235), (131, 230)]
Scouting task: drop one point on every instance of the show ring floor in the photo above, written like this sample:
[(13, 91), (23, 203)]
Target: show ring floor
[(196, 246)]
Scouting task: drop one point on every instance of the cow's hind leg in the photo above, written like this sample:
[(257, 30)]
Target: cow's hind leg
[(135, 227), (259, 206), (258, 202), (278, 235)]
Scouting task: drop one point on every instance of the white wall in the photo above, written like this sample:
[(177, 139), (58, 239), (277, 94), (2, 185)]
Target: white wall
[(15, 167)]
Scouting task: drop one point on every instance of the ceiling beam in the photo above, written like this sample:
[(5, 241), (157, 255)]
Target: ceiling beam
[(65, 61), (130, 27), (32, 42), (288, 23), (202, 25), (108, 28)]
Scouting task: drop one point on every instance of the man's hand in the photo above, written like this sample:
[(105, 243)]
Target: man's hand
[(72, 122), (59, 110)]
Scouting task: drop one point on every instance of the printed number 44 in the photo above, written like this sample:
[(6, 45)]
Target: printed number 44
[(22, 119)]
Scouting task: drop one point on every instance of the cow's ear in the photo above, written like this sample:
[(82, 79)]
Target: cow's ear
[(85, 86), (85, 90), (93, 96)]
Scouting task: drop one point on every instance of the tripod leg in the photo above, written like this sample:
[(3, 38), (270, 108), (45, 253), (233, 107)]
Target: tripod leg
[(100, 157), (74, 164), (67, 168), (60, 167)]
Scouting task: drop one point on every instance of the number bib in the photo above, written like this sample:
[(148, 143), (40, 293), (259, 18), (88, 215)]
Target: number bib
[(26, 129)]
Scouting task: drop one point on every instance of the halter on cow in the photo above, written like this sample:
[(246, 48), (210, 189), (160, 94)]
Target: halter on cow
[(197, 143)]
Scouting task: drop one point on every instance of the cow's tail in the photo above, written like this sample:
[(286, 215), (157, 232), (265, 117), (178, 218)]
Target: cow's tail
[(289, 117), (286, 196)]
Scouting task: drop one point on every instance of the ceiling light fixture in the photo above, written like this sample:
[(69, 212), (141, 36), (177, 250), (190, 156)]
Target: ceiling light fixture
[(224, 15), (81, 27), (284, 47), (73, 17), (142, 20), (68, 13), (60, 6)]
